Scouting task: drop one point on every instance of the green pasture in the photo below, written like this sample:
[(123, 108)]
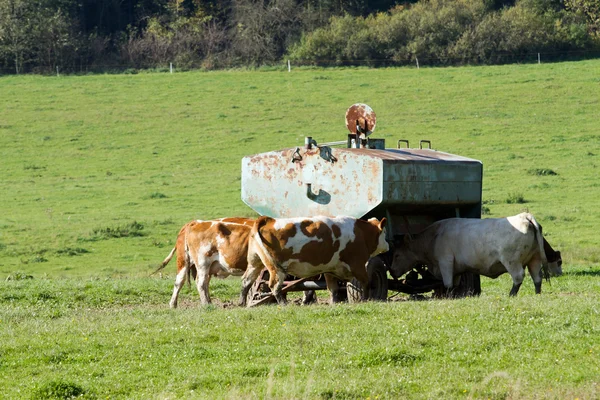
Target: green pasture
[(99, 172), (116, 338)]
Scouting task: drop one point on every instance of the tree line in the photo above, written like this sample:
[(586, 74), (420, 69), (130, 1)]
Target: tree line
[(101, 35)]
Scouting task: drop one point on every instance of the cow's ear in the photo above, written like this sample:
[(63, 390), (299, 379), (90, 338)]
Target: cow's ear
[(382, 223)]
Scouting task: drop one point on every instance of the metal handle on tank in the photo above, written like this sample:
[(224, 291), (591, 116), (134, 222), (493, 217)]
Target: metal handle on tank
[(296, 156), (403, 141), (424, 141), (309, 192), (322, 197)]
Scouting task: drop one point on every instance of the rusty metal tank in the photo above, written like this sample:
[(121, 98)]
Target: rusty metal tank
[(322, 180)]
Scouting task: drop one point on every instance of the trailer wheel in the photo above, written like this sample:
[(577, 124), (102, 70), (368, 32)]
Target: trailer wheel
[(259, 289), (378, 282)]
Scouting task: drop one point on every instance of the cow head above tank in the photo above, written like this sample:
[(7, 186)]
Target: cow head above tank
[(360, 120)]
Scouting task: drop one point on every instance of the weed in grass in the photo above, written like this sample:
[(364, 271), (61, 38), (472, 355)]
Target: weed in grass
[(71, 251), (163, 222), (32, 167), (393, 358), (58, 390), (541, 172), (160, 244), (541, 186), (18, 276), (45, 296), (35, 259), (587, 138), (340, 394), (133, 229), (157, 195), (515, 198), (255, 371), (208, 383), (57, 357), (12, 297), (485, 210)]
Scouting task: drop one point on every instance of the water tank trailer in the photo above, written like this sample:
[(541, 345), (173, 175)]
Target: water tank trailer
[(411, 187)]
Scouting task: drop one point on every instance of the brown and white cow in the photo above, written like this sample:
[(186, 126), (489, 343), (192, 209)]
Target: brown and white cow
[(554, 259), (488, 247), (338, 247), (214, 248)]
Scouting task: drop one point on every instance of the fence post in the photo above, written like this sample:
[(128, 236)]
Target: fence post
[(171, 67), (289, 66), (417, 60), (57, 71), (539, 61)]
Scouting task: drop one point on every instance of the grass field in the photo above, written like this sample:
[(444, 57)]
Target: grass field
[(100, 172)]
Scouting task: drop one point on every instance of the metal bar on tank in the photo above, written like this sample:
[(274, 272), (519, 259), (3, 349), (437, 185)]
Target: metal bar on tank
[(333, 143)]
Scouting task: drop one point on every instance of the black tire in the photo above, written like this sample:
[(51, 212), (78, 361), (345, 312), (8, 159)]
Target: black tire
[(378, 283)]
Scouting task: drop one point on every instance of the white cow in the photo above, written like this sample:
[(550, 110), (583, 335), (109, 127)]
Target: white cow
[(488, 247)]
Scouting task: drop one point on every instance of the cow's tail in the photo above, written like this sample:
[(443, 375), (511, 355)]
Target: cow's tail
[(166, 260), (258, 238), (182, 231), (539, 236)]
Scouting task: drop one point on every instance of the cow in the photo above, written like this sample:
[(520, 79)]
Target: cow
[(338, 247), (488, 247), (212, 248), (554, 259)]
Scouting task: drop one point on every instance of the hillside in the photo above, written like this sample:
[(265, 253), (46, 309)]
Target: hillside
[(99, 172)]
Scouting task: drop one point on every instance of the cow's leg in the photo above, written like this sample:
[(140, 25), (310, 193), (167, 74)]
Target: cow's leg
[(535, 270), (364, 283), (333, 287), (203, 280), (180, 279), (248, 280), (517, 273), (515, 289), (446, 267), (309, 297), (276, 282)]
